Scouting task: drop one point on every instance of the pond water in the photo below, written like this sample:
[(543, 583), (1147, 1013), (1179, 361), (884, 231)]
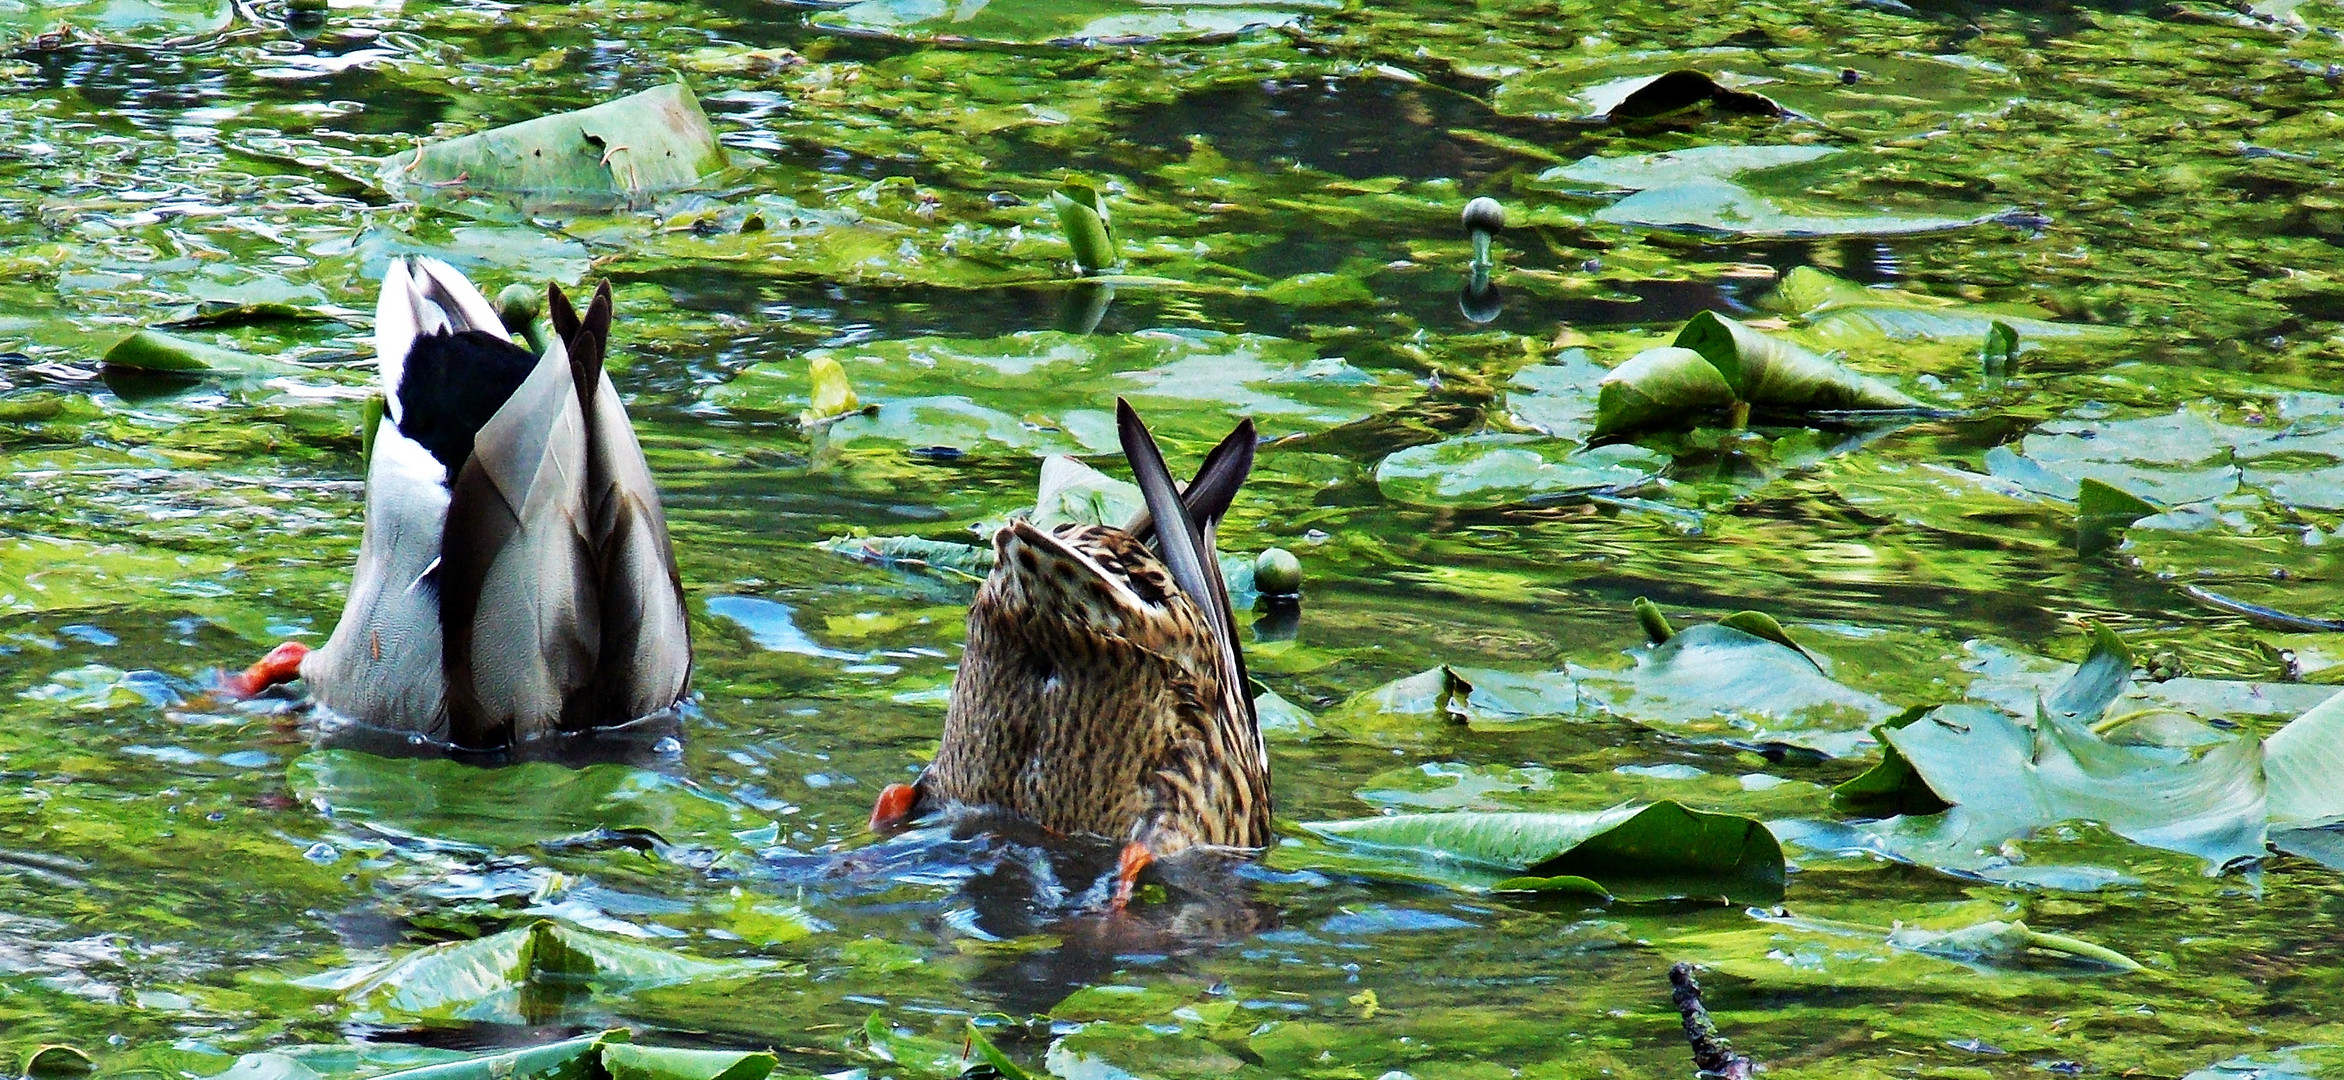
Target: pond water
[(2147, 192)]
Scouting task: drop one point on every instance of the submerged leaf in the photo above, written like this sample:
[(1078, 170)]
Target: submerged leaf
[(1661, 851)]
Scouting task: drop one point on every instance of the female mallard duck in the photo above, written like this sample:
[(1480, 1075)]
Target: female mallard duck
[(1102, 690), (515, 577)]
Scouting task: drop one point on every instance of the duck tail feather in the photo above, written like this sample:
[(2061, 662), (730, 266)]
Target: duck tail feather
[(455, 296), (1187, 551), (559, 312), (517, 595), (400, 317), (1215, 486)]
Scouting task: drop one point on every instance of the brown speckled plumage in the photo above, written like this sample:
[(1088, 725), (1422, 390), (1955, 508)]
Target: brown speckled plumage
[(1100, 695)]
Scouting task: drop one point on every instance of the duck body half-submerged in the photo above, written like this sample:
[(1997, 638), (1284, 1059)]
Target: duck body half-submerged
[(515, 577), (1101, 690)]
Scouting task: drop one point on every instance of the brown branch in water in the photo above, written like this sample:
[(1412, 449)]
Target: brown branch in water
[(1711, 1052)]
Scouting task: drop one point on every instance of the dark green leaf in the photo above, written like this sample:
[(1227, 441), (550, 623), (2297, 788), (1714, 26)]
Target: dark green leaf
[(1892, 786), (992, 1055), (1664, 385), (1636, 852), (2102, 510), (58, 1062), (1760, 624), (1773, 373), (627, 1061), (153, 350)]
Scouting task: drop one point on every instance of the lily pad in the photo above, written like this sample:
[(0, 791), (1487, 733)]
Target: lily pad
[(1061, 22), (155, 351), (1042, 391), (527, 975), (1660, 851), (1720, 682), (610, 155), (1500, 469), (1642, 97)]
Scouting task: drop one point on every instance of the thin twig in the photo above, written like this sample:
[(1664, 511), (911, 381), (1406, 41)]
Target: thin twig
[(1711, 1052)]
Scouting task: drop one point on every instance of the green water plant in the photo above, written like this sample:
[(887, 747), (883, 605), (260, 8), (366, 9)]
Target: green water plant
[(1089, 225)]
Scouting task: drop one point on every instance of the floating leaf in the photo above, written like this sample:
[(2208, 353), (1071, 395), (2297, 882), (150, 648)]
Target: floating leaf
[(58, 1062), (1722, 683), (1667, 384), (1890, 787), (1071, 492), (1642, 97), (1637, 172), (1771, 372), (601, 157), (1660, 851), (570, 1059), (627, 1061), (2006, 780), (153, 350), (1721, 206), (1496, 469), (2301, 762), (2097, 682), (1068, 22), (529, 974)]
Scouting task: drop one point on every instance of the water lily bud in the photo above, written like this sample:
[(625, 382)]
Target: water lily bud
[(1276, 572), (1484, 215), (519, 305)]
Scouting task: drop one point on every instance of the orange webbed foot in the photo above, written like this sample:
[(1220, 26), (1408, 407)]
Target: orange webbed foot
[(1135, 858), (281, 665), (896, 802)]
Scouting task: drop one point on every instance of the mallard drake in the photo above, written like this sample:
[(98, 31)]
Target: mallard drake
[(515, 576), (1101, 691)]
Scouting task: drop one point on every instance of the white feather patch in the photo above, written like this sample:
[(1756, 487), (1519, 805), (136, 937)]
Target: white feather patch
[(473, 311)]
